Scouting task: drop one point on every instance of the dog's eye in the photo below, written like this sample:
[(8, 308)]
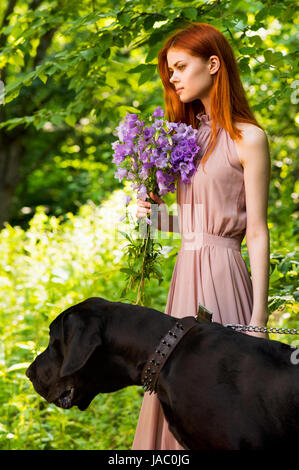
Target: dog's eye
[(54, 344)]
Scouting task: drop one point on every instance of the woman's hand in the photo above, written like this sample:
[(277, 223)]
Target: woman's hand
[(144, 207)]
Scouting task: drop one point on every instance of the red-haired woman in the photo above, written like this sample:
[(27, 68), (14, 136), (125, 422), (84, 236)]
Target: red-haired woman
[(228, 198)]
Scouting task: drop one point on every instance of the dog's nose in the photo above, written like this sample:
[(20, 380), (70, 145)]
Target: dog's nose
[(30, 372)]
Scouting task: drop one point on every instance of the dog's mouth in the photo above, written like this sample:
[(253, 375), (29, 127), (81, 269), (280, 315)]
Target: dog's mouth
[(65, 400)]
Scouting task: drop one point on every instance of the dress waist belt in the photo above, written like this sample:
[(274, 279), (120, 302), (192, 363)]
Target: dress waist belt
[(195, 240)]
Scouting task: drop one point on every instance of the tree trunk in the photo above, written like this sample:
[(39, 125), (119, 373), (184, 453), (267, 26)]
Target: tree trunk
[(10, 157)]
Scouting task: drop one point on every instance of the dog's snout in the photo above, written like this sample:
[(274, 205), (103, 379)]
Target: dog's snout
[(66, 398), (30, 372)]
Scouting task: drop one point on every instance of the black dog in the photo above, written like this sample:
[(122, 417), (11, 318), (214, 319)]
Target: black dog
[(220, 389)]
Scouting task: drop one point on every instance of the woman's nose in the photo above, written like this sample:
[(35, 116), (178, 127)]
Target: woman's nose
[(173, 79)]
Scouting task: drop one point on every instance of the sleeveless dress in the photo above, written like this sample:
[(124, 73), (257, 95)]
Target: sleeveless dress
[(209, 268)]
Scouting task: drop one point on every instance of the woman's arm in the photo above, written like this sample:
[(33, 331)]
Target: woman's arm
[(254, 156)]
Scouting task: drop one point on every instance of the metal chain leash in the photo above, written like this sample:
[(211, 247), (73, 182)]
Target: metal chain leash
[(264, 329), (203, 314)]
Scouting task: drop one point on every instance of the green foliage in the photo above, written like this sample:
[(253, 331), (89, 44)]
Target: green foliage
[(43, 271), (73, 69)]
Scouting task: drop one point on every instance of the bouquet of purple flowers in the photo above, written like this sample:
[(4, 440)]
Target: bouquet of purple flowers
[(153, 155)]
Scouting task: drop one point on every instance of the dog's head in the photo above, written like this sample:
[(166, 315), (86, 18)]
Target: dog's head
[(76, 366)]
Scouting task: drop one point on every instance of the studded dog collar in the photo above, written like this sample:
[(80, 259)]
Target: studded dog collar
[(154, 365)]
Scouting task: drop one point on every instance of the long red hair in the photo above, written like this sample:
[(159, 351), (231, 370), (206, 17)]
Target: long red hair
[(228, 99)]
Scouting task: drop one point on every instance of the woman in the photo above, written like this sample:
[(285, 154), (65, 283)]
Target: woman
[(228, 198)]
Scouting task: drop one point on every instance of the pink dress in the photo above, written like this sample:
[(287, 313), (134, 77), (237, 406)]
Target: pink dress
[(209, 268)]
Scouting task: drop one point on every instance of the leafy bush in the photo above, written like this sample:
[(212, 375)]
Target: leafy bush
[(43, 271)]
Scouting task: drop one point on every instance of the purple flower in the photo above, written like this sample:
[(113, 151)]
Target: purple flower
[(154, 155), (120, 174), (148, 132), (177, 155), (143, 173), (162, 161), (158, 112), (127, 199), (158, 123), (142, 194), (172, 126)]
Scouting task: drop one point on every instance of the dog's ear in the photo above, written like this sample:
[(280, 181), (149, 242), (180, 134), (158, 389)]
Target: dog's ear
[(81, 337)]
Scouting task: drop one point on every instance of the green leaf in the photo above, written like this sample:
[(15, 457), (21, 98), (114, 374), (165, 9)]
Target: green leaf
[(124, 19), (275, 275), (273, 58), (261, 15), (247, 50), (146, 75), (106, 53), (22, 365), (244, 67), (71, 120), (57, 120), (139, 68), (89, 54), (190, 13), (43, 78), (149, 22), (126, 236)]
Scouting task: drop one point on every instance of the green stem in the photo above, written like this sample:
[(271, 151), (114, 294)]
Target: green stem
[(140, 293)]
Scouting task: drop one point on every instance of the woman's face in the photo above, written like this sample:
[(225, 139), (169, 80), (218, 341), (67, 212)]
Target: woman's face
[(192, 74)]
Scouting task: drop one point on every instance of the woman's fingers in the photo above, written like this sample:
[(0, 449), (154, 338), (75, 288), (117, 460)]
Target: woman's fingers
[(143, 208)]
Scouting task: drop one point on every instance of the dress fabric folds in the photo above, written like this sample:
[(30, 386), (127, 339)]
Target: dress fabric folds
[(209, 268)]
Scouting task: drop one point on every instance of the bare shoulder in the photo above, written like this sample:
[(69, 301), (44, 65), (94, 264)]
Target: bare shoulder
[(254, 141)]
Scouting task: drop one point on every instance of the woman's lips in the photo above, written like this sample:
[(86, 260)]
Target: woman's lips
[(179, 90)]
